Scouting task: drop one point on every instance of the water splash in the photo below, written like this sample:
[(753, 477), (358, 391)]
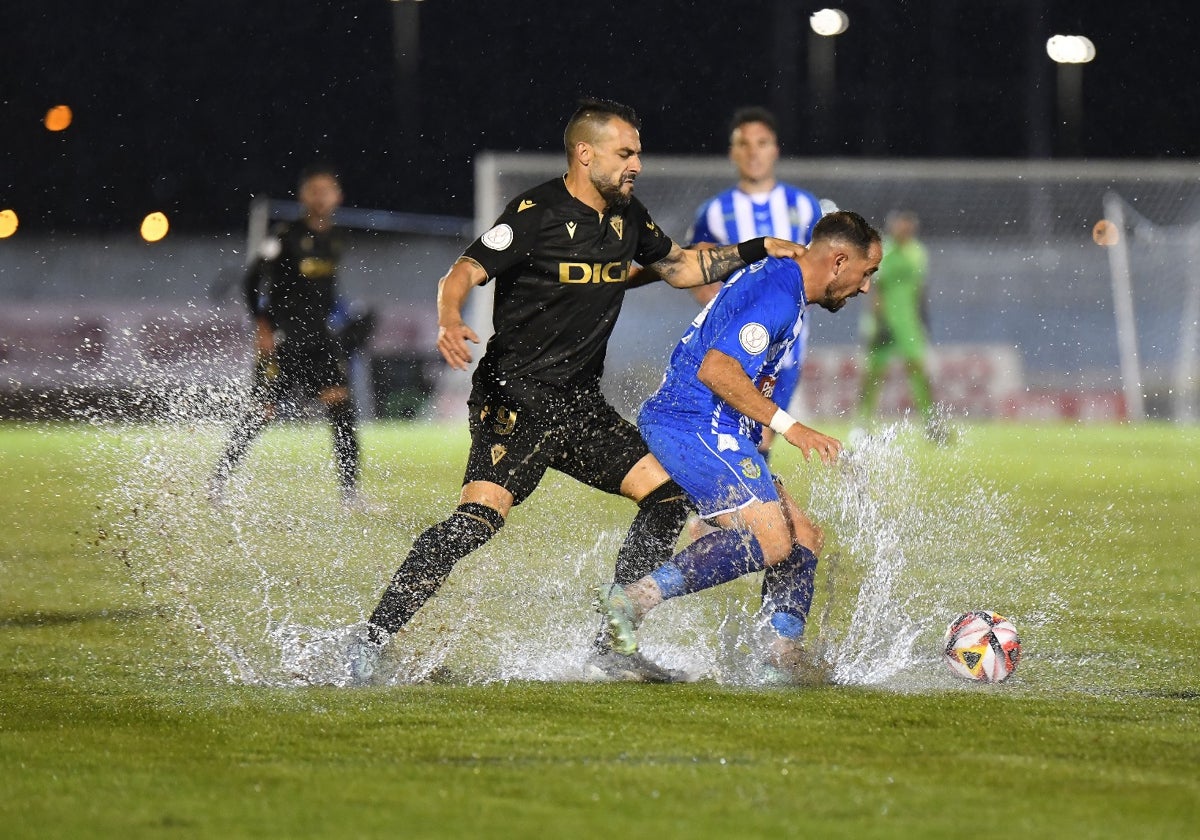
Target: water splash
[(914, 549), (268, 589)]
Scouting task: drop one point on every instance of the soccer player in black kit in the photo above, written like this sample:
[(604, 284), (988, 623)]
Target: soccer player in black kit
[(291, 292), (561, 255)]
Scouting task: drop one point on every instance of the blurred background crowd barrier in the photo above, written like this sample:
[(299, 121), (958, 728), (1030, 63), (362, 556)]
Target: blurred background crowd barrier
[(1035, 311)]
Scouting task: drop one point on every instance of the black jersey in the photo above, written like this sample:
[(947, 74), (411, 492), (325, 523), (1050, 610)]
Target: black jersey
[(561, 272), (293, 282)]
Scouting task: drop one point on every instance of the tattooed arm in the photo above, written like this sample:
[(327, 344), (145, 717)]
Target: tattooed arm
[(686, 268)]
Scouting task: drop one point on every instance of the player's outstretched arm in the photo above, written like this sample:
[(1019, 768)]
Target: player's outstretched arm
[(453, 332), (685, 268), (723, 375), (644, 275)]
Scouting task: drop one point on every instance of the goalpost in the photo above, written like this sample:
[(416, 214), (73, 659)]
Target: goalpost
[(1165, 255)]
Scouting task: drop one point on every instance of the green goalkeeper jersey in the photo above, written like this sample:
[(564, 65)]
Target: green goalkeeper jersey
[(900, 284)]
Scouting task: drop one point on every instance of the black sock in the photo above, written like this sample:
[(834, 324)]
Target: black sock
[(650, 541), (245, 430), (345, 442), (428, 565), (651, 538)]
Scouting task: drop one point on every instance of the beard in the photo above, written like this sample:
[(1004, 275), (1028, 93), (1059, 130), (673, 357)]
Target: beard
[(613, 196), (830, 302)]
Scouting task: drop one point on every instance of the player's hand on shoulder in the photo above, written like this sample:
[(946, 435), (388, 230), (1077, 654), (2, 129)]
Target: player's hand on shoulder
[(811, 442), (783, 247), (452, 344)]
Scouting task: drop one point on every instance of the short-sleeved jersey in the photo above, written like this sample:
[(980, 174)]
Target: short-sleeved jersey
[(786, 211), (561, 272), (755, 319), (900, 281), (293, 283)]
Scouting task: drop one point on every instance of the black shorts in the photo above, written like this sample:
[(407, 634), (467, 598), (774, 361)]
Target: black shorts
[(300, 371), (582, 435)]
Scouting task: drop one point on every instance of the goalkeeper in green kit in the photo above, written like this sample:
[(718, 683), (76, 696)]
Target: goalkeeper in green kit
[(894, 326)]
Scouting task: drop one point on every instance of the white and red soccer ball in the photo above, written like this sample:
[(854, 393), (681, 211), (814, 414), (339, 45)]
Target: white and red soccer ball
[(982, 646)]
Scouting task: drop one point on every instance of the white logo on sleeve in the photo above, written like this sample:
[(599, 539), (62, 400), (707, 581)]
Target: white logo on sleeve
[(754, 338), (498, 238)]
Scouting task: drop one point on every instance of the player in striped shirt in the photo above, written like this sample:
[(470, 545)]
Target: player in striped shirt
[(759, 205)]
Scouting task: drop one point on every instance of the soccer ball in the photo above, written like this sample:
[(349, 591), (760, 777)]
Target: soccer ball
[(982, 646)]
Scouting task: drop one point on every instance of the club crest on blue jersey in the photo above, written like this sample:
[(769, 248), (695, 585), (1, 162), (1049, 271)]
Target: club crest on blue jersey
[(754, 338)]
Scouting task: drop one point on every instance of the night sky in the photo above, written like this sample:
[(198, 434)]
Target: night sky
[(193, 107)]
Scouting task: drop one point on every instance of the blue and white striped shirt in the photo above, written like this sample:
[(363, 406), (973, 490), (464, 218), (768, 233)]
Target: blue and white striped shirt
[(786, 212)]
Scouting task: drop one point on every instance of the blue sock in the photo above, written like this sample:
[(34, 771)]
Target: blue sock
[(713, 559), (787, 592)]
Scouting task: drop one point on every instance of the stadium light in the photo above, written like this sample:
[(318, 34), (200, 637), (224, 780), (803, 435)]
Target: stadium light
[(57, 118), (1070, 49), (154, 226), (8, 223), (1070, 53), (826, 24), (829, 22)]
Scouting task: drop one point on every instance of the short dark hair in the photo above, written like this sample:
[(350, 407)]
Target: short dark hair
[(847, 226), (318, 168), (590, 114), (750, 114)]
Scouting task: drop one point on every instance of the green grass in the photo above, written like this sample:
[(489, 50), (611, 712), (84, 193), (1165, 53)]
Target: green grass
[(117, 717)]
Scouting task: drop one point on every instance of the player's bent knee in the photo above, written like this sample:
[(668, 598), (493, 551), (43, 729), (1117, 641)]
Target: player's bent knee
[(643, 478), (806, 532), (776, 544), (487, 494), (811, 537)]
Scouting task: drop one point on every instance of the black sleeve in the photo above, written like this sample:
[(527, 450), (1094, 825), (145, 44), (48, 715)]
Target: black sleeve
[(508, 242), (256, 285), (653, 244)]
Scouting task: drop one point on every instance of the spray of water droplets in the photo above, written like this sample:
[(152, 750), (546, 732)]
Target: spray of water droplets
[(914, 549), (270, 587)]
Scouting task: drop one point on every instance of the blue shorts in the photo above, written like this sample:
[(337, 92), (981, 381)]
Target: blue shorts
[(721, 473)]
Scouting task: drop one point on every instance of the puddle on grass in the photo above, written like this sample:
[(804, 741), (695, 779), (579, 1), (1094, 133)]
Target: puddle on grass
[(267, 589)]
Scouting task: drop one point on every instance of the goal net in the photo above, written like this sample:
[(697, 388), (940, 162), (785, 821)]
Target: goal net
[(1154, 258), (1023, 316)]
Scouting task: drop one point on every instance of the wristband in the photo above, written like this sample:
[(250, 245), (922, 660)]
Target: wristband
[(753, 250), (782, 421)]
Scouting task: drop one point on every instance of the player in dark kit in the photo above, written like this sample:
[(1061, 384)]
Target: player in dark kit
[(561, 255), (291, 292)]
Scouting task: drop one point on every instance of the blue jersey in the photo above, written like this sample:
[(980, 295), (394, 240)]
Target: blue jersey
[(756, 318), (786, 212), (708, 447)]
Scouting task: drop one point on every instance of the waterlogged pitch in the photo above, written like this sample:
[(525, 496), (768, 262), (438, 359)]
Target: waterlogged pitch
[(168, 666)]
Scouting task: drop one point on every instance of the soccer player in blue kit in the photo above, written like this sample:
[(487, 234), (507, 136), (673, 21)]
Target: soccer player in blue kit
[(758, 205), (702, 426)]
